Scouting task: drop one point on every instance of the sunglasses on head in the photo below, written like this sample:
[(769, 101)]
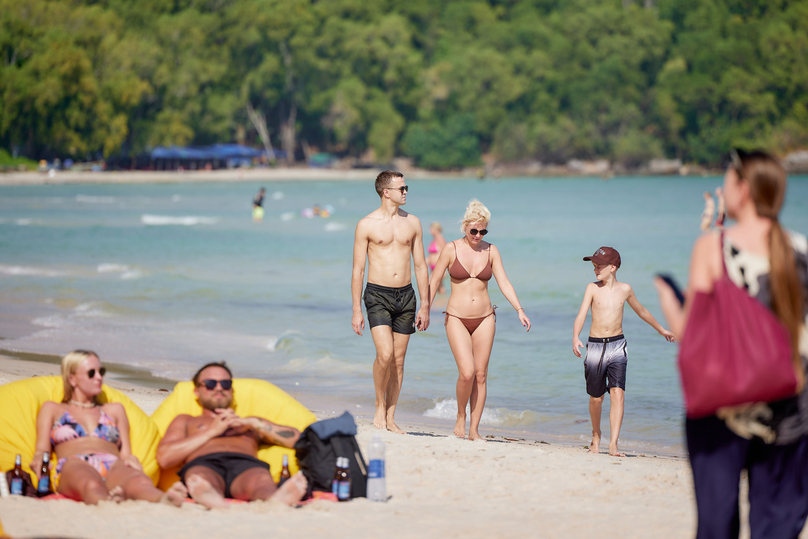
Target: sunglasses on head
[(403, 189), (91, 373), (210, 385), (482, 232)]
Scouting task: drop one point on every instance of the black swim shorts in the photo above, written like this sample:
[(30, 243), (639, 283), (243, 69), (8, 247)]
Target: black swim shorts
[(605, 364), (394, 307), (228, 465)]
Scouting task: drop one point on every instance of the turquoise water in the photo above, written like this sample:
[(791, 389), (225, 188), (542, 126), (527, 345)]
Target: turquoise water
[(168, 276)]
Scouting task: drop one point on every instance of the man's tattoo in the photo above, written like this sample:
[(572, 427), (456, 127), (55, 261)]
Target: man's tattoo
[(282, 433)]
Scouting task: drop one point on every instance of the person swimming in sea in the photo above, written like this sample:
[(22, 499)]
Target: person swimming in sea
[(258, 206)]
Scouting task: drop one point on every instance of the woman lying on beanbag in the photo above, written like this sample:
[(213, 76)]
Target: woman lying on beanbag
[(91, 441)]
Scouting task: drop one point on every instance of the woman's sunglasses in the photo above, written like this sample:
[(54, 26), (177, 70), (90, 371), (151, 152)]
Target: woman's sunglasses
[(210, 385), (91, 373), (482, 232)]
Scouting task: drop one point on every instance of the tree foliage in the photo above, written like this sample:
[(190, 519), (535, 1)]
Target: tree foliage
[(441, 82)]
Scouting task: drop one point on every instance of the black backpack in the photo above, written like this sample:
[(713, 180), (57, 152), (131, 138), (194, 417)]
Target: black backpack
[(317, 457)]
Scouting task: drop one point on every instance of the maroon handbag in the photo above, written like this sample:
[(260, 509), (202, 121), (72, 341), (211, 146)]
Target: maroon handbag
[(734, 351)]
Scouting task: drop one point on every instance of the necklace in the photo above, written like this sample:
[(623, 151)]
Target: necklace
[(83, 404)]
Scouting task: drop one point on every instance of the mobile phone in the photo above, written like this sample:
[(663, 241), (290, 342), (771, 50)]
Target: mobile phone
[(671, 283)]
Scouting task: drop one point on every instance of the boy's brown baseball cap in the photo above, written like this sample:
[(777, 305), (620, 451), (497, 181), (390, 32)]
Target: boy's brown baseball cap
[(605, 255)]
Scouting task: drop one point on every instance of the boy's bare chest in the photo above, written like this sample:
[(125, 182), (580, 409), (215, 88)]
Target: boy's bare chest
[(608, 300)]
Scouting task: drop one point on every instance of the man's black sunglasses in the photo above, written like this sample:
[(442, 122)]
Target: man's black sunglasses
[(403, 189), (482, 232), (210, 385), (91, 372)]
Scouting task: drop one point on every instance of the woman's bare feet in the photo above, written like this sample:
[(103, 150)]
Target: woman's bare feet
[(203, 492), (475, 437), (594, 445), (460, 427), (292, 491), (175, 495), (116, 495), (380, 419), (392, 427), (614, 452)]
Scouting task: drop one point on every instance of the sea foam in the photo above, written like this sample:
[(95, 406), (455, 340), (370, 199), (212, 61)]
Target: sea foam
[(190, 220), (26, 270), (88, 199), (447, 409)]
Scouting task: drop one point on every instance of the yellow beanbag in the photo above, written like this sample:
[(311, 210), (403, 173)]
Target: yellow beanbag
[(20, 402), (251, 397)]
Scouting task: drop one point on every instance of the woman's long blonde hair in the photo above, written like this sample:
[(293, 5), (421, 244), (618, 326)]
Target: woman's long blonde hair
[(767, 182), (70, 363)]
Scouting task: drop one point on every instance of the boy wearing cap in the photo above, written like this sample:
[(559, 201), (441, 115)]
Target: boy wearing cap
[(606, 359)]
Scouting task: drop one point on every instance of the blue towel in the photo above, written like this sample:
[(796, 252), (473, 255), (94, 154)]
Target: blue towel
[(327, 428)]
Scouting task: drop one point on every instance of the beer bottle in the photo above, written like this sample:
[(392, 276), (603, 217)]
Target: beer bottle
[(285, 475), (43, 487), (16, 477), (344, 488), (337, 476)]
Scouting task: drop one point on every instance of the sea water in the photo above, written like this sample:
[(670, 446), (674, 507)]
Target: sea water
[(166, 277)]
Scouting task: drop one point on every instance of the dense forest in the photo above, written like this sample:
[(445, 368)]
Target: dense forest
[(443, 82)]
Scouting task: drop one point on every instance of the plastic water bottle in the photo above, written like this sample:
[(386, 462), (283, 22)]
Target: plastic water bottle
[(377, 491), (4, 493)]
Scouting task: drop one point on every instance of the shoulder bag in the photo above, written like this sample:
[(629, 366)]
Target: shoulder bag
[(734, 351)]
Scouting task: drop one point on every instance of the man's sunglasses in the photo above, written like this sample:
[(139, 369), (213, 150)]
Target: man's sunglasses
[(482, 232), (403, 189), (210, 385), (91, 373)]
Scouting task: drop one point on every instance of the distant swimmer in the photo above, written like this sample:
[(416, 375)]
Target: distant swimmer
[(389, 239), (435, 247), (258, 206), (606, 352)]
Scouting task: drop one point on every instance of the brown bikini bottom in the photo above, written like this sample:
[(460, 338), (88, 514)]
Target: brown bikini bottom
[(471, 323)]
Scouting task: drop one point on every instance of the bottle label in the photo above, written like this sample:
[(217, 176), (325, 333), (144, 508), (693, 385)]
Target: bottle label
[(16, 486), (44, 483), (344, 490), (335, 488), (376, 469)]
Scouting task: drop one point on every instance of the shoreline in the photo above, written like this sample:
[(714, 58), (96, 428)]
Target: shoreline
[(65, 177), (129, 378)]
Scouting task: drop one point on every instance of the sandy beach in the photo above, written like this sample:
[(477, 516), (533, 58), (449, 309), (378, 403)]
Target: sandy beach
[(219, 175), (439, 486)]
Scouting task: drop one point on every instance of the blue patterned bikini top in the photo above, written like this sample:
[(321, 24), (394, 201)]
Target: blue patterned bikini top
[(67, 428)]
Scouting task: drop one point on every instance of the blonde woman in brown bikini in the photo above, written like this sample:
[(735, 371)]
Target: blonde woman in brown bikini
[(470, 317)]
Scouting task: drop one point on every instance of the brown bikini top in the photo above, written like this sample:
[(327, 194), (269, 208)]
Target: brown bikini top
[(459, 273)]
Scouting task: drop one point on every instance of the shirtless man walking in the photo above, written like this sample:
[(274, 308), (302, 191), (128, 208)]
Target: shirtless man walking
[(218, 448), (606, 354), (389, 238)]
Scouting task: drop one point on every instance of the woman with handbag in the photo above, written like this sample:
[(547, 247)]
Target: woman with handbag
[(763, 426)]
